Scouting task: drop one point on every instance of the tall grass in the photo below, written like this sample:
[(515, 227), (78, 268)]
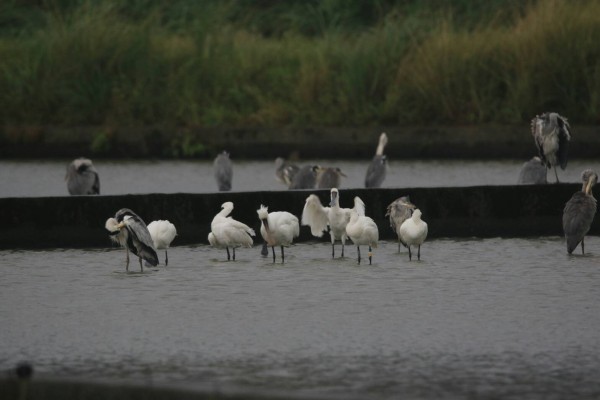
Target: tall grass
[(214, 63)]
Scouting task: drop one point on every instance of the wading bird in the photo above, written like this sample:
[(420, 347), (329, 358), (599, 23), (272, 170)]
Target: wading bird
[(305, 178), (130, 231), (552, 134), (329, 177), (533, 172), (413, 232), (285, 171), (377, 169), (162, 232), (361, 229), (579, 212), (226, 232), (399, 211), (278, 228), (223, 170), (319, 217), (82, 177)]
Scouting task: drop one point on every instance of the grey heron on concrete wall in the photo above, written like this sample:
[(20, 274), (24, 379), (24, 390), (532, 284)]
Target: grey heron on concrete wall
[(129, 230), (552, 134), (378, 167), (329, 177), (223, 170), (399, 211), (579, 212), (285, 171), (305, 178), (533, 172), (82, 178)]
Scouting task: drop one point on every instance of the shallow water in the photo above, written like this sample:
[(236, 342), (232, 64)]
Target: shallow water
[(46, 178), (501, 318)]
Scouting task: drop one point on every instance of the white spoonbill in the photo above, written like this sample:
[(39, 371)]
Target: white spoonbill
[(362, 229), (162, 232), (413, 232), (130, 231), (399, 211), (226, 232), (278, 228)]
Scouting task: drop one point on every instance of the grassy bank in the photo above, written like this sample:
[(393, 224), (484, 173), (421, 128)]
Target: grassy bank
[(299, 63)]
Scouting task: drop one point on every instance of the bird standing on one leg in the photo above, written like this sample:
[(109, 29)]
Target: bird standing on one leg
[(579, 212)]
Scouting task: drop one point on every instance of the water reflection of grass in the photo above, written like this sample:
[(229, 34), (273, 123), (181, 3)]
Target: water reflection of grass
[(215, 63)]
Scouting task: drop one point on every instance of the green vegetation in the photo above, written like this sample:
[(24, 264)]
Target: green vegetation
[(192, 63)]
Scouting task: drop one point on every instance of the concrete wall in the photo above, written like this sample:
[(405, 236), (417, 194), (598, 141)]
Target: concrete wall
[(482, 211)]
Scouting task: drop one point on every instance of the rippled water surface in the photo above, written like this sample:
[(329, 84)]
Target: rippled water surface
[(46, 178), (493, 318)]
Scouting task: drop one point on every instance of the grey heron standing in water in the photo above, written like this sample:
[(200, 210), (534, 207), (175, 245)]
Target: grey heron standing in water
[(377, 169), (82, 178), (399, 211), (130, 231), (533, 172), (223, 170), (579, 212), (552, 134)]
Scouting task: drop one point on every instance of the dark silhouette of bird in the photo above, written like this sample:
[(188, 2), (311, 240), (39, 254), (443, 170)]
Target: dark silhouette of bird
[(82, 178), (579, 212), (377, 169), (533, 172), (305, 178), (552, 134), (223, 170), (329, 177)]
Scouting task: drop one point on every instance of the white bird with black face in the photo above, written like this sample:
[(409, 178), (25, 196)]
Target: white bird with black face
[(552, 134), (413, 232), (378, 167), (226, 232), (579, 212), (361, 229), (162, 232), (399, 211), (223, 170), (130, 231), (82, 178), (278, 228)]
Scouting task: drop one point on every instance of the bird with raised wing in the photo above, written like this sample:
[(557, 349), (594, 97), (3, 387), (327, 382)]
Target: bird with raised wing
[(413, 232), (130, 231), (552, 134), (163, 233), (278, 228), (227, 232), (399, 211), (361, 229), (82, 178), (378, 167), (579, 212)]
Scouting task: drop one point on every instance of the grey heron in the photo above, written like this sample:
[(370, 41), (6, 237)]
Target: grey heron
[(285, 171), (162, 233), (377, 169), (533, 172), (278, 228), (329, 177), (305, 178), (399, 211), (552, 134), (223, 171), (82, 178), (579, 212), (130, 231), (226, 232), (413, 232), (361, 229)]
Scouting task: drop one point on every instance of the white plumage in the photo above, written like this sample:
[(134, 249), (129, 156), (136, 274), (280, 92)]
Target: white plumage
[(226, 232), (162, 232), (413, 232), (361, 229), (278, 228)]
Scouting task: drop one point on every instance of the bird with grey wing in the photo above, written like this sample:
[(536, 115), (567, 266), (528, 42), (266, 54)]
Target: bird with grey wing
[(82, 178), (579, 212), (223, 170), (533, 172), (378, 166), (399, 211), (552, 134)]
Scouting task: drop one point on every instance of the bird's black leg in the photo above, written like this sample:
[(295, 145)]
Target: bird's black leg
[(141, 266), (127, 263), (233, 253), (358, 249), (370, 255), (409, 254), (556, 174), (282, 255), (399, 247), (228, 255), (342, 250), (582, 247), (166, 258), (419, 253), (273, 248), (332, 250)]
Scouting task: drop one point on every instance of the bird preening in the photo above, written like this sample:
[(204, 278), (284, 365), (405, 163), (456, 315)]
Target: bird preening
[(552, 134), (82, 178), (579, 212), (227, 233), (378, 167), (399, 211)]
